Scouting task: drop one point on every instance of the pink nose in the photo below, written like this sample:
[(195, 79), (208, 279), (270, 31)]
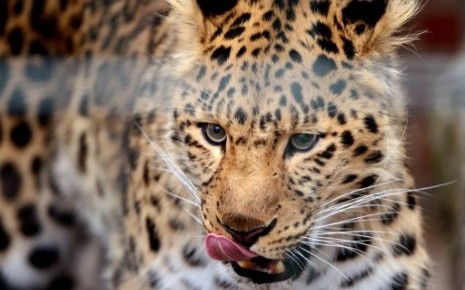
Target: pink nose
[(222, 248)]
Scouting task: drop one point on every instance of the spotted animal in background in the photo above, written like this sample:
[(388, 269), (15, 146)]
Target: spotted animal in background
[(198, 144)]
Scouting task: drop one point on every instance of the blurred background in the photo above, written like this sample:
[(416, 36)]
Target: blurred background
[(435, 80)]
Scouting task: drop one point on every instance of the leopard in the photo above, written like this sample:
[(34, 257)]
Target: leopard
[(193, 144)]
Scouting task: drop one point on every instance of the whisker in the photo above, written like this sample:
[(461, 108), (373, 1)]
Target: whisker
[(197, 219), (339, 246), (199, 237), (334, 209), (347, 194), (176, 170), (421, 189), (338, 231), (295, 259), (326, 262), (335, 242), (364, 199), (357, 218), (181, 198)]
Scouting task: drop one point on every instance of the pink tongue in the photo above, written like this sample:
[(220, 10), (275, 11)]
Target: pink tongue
[(222, 248)]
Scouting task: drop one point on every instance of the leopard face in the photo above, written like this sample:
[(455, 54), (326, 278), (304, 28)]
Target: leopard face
[(289, 117)]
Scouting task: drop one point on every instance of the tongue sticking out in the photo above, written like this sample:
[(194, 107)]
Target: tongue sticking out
[(222, 248)]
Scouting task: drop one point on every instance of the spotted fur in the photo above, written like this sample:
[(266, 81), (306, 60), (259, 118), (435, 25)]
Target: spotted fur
[(117, 151)]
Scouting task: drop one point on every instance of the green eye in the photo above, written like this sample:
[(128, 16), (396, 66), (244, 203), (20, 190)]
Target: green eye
[(214, 133), (302, 142)]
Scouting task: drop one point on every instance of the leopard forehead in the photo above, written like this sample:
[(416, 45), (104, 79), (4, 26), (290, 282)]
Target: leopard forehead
[(291, 96), (285, 62)]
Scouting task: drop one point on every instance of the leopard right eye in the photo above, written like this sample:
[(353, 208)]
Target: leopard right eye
[(214, 134)]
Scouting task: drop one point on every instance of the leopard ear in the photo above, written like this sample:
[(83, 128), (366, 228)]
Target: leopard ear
[(215, 7), (369, 27), (192, 21), (208, 8)]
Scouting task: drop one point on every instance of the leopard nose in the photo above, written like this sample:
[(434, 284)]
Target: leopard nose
[(248, 235)]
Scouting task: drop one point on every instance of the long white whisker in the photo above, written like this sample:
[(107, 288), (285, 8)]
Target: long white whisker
[(181, 198), (326, 262), (363, 200), (332, 210), (339, 246), (348, 194), (336, 242), (338, 231), (372, 194), (357, 218), (293, 256), (176, 170), (197, 219)]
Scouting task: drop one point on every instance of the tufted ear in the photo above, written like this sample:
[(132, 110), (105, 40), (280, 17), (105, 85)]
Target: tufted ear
[(368, 26), (215, 7), (195, 20), (208, 8)]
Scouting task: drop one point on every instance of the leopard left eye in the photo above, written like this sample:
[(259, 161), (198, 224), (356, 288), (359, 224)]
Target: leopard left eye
[(301, 142)]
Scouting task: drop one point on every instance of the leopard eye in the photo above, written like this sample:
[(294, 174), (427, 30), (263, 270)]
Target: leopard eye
[(302, 142), (214, 133)]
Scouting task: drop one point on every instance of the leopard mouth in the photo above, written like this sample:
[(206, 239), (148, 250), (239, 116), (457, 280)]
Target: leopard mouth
[(264, 265), (262, 270), (253, 266)]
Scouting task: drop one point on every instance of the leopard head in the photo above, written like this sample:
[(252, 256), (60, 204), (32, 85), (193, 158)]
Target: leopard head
[(288, 110)]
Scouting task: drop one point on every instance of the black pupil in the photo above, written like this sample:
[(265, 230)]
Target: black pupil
[(217, 130), (302, 140)]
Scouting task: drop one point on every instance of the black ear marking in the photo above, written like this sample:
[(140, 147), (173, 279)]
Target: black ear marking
[(216, 7), (369, 12)]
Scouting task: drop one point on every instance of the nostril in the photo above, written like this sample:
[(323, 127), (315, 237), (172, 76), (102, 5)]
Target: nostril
[(248, 237), (245, 238)]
